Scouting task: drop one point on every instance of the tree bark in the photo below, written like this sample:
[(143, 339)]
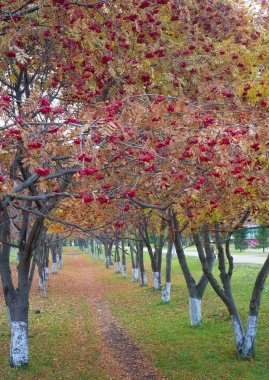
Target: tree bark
[(123, 260), (167, 288), (139, 248), (134, 259), (117, 257)]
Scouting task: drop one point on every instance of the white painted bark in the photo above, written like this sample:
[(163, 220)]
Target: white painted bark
[(87, 250), (117, 267), (107, 262), (156, 280), (57, 258), (124, 271), (8, 316), (135, 274), (143, 278), (54, 268), (100, 257), (61, 264), (238, 332), (251, 330), (195, 311), (19, 344), (46, 274), (166, 290), (40, 283)]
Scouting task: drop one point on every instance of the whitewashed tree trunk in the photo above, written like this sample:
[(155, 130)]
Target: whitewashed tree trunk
[(41, 283), (61, 264), (8, 316), (54, 268), (245, 342), (124, 271), (238, 332), (57, 258), (19, 344), (156, 280), (195, 311), (250, 334), (117, 267), (46, 274), (143, 278), (166, 292), (135, 274), (107, 262)]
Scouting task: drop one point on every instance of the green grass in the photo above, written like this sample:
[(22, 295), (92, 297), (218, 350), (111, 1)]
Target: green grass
[(248, 251), (163, 330)]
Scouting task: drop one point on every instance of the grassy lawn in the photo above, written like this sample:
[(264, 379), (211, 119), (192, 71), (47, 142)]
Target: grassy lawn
[(163, 330), (248, 251)]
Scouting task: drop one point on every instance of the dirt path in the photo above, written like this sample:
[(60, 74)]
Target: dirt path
[(120, 356)]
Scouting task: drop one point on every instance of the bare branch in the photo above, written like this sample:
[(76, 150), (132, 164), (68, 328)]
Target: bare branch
[(41, 197), (148, 205), (30, 181), (90, 5)]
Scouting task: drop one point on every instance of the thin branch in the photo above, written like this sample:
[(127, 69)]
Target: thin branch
[(90, 5), (30, 181), (148, 205), (41, 197)]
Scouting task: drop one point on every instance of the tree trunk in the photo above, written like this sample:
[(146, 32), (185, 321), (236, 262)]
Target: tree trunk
[(117, 266), (134, 259), (144, 234), (167, 288), (190, 282), (19, 344), (54, 256), (195, 311), (123, 260), (158, 273), (143, 277), (238, 332), (54, 268), (46, 274), (156, 280), (60, 253), (18, 307), (250, 335), (106, 256), (47, 261), (110, 253), (100, 252)]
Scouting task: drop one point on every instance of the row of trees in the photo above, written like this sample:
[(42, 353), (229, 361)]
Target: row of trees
[(112, 112)]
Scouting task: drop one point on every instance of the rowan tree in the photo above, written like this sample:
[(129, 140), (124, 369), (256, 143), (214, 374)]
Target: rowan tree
[(82, 94)]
